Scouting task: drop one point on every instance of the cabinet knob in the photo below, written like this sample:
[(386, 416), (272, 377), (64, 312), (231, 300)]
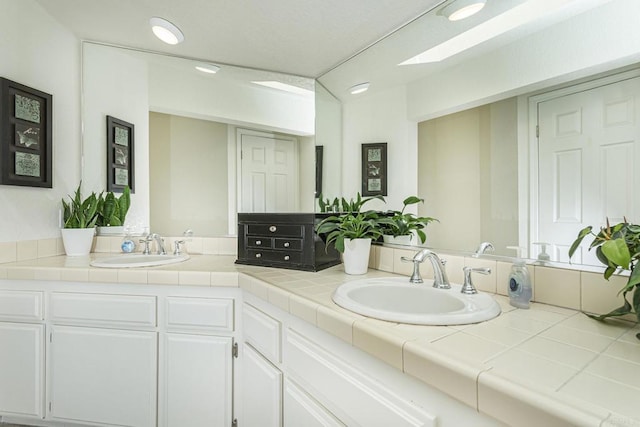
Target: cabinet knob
[(258, 242), (286, 257), (258, 255), (286, 244), (273, 228)]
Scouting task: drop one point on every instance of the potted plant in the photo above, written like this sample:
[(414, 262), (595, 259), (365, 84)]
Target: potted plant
[(351, 233), (112, 212), (79, 220), (617, 247), (403, 226)]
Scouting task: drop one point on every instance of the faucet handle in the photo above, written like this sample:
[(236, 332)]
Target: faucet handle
[(146, 242), (406, 259), (467, 287), (178, 248)]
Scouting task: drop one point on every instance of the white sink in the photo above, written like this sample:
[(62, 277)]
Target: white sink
[(396, 300), (138, 260)]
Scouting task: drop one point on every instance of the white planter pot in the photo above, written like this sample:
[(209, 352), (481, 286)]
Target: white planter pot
[(399, 240), (110, 231), (356, 256), (77, 241)]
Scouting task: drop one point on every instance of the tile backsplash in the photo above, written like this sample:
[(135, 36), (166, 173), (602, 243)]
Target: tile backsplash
[(570, 288)]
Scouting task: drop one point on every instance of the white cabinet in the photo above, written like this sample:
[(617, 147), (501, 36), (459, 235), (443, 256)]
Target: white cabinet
[(300, 409), (196, 381), (261, 391), (21, 369), (103, 376)]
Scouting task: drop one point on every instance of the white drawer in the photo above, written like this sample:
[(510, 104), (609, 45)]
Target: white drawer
[(262, 331), (199, 314), (21, 305), (103, 309)]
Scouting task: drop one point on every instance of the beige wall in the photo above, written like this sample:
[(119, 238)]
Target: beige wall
[(467, 169), (188, 171)]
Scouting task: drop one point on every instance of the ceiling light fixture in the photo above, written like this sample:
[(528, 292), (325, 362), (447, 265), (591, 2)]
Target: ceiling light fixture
[(208, 68), (285, 87), (166, 31), (359, 88), (461, 9)]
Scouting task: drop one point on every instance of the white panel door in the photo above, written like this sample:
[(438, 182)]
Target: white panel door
[(300, 409), (196, 381), (269, 173), (21, 369), (588, 145), (103, 376), (261, 391)]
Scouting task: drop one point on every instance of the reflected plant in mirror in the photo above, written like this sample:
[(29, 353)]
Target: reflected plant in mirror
[(406, 224), (618, 248)]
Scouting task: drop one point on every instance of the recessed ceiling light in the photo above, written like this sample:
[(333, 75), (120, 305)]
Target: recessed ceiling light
[(359, 88), (461, 9), (166, 31), (285, 87), (208, 68)]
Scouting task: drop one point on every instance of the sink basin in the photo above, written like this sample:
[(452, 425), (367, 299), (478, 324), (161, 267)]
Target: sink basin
[(138, 260), (396, 300)]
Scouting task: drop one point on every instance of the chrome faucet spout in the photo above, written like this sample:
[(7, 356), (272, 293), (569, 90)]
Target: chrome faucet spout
[(440, 279)]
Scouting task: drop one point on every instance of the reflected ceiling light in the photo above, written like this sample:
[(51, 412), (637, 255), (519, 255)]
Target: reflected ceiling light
[(285, 87), (359, 88), (513, 18), (166, 31), (461, 9), (208, 68)]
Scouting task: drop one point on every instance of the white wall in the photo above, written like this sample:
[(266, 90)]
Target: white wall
[(37, 52), (115, 84), (329, 136), (381, 118)]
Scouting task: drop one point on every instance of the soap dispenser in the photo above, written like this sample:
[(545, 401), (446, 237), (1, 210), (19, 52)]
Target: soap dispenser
[(543, 256), (520, 290)]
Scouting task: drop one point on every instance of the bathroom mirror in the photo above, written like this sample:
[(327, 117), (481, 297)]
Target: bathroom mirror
[(491, 83), (189, 133)]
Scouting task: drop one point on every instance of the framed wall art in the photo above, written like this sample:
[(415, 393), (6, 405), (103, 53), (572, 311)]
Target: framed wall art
[(25, 135), (374, 169), (120, 155)]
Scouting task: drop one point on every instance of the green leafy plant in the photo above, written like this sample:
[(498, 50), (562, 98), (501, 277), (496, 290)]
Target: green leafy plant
[(617, 247), (352, 224), (404, 224), (79, 213), (112, 210), (344, 205)]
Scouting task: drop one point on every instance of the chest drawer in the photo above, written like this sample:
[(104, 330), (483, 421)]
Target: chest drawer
[(276, 256), (280, 230), (288, 244), (21, 305), (103, 309), (199, 314), (259, 242)]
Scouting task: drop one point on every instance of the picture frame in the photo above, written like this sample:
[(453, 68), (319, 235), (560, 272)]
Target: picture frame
[(25, 135), (120, 155), (319, 161), (374, 169)]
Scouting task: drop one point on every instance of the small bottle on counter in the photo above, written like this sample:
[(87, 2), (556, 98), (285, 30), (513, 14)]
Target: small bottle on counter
[(128, 246), (520, 290)]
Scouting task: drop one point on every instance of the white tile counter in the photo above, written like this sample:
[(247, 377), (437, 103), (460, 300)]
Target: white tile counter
[(540, 367)]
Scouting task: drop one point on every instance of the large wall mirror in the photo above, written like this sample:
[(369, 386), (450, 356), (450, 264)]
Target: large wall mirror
[(207, 145), (481, 166)]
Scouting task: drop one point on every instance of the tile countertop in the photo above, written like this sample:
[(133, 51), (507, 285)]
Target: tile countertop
[(546, 366)]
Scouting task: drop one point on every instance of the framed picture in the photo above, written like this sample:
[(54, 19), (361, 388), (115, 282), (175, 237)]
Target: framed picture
[(120, 155), (374, 169), (319, 160), (25, 135)]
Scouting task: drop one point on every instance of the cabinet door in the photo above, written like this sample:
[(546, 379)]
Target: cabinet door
[(103, 376), (300, 409), (261, 391), (196, 381), (21, 369)]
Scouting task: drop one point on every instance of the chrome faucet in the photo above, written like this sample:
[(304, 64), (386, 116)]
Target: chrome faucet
[(440, 279), (159, 243), (467, 287), (484, 247)]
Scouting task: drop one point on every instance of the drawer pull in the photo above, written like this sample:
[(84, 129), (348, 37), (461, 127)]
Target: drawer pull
[(273, 228), (258, 242), (286, 244), (286, 257), (258, 255)]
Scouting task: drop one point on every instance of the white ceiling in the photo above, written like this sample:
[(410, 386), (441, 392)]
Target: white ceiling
[(303, 37)]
